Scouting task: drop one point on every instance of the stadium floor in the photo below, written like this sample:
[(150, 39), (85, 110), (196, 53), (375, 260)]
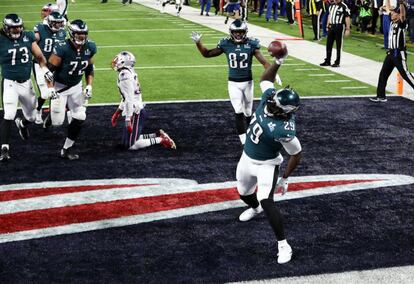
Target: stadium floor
[(330, 233)]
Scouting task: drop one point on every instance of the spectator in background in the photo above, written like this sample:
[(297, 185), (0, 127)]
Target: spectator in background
[(232, 9), (272, 6), (365, 14), (324, 16), (205, 7), (410, 19), (261, 7), (290, 11), (216, 4), (375, 5), (314, 9)]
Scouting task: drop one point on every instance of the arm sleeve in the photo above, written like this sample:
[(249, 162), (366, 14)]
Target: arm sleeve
[(264, 85), (292, 146)]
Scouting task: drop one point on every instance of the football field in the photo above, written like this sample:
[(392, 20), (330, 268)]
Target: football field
[(168, 63), (171, 216)]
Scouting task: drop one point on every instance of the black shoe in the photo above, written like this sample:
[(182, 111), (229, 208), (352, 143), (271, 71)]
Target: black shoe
[(226, 20), (23, 131), (325, 64), (207, 15), (4, 155), (335, 65), (378, 100), (67, 154)]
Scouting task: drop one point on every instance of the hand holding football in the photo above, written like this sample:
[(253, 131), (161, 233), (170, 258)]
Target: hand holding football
[(277, 49)]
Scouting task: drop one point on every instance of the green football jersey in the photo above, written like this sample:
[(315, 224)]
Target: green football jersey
[(73, 63), (16, 56), (239, 57), (265, 133), (48, 38)]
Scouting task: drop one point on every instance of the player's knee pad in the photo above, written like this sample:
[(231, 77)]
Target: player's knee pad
[(79, 113), (58, 116), (10, 110)]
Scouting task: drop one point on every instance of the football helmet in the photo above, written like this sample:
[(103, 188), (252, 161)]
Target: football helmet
[(122, 60), (238, 31), (78, 31), (13, 26), (282, 102), (55, 21), (47, 9)]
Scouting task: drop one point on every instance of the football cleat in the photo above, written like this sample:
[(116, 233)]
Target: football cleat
[(166, 141), (23, 131), (4, 154), (378, 100), (47, 122), (39, 119), (285, 254), (250, 213), (67, 154)]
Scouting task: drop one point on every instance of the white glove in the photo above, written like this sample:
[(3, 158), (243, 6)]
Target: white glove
[(88, 92), (278, 80), (279, 61), (47, 74), (53, 95), (282, 185), (196, 37)]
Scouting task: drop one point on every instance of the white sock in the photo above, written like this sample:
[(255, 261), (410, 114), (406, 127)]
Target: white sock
[(68, 143), (282, 243), (242, 138), (141, 143), (5, 146)]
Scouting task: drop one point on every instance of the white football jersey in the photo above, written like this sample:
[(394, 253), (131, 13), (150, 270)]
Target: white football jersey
[(129, 88)]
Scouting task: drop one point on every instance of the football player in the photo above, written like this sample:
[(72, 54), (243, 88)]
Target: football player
[(46, 36), (70, 60), (239, 50), (178, 6), (46, 10), (17, 47), (132, 108), (271, 129)]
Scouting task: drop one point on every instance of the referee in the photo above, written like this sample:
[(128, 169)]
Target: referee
[(338, 24), (396, 53)]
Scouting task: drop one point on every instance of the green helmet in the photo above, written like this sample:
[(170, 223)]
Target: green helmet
[(13, 26), (55, 21), (283, 102)]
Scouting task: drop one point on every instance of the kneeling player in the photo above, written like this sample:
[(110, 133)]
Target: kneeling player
[(132, 108)]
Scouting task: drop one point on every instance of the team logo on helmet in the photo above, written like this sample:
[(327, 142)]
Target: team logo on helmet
[(78, 31), (238, 31), (283, 102), (55, 21), (13, 26), (124, 59)]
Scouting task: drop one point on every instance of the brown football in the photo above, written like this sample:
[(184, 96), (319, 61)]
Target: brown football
[(277, 49)]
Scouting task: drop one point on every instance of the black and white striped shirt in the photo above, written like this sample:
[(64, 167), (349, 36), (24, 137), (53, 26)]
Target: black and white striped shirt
[(337, 13), (396, 35)]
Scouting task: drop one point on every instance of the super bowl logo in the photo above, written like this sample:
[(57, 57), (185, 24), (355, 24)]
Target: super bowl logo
[(36, 210)]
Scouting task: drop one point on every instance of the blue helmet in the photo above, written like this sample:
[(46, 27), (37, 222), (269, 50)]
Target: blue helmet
[(282, 102), (13, 26)]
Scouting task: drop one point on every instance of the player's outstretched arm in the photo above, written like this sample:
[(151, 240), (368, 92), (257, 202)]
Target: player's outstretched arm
[(196, 37), (270, 73), (259, 56)]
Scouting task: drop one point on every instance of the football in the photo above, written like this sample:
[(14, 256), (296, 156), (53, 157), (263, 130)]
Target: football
[(277, 49)]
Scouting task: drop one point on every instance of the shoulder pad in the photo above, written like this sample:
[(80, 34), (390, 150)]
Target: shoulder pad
[(125, 74)]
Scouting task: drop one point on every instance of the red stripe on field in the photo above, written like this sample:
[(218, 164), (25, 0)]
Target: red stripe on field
[(107, 210), (46, 218), (36, 192)]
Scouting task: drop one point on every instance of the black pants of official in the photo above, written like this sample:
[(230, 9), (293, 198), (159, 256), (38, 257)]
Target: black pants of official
[(335, 34), (316, 26), (394, 58)]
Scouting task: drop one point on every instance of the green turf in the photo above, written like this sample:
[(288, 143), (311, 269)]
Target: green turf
[(168, 63)]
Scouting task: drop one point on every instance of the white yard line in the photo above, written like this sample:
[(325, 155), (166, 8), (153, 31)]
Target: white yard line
[(350, 88), (320, 75), (337, 81)]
